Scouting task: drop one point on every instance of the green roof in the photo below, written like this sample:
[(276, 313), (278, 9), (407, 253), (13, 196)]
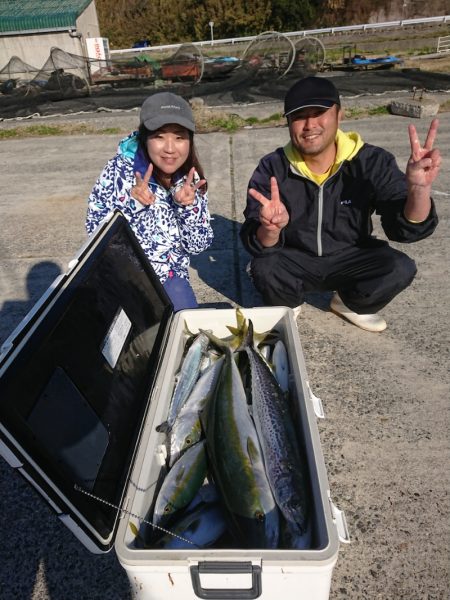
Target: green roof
[(35, 15)]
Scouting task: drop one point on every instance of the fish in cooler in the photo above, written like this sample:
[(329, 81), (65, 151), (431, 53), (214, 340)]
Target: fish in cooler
[(188, 375), (242, 415), (181, 484), (281, 452), (186, 429), (236, 462)]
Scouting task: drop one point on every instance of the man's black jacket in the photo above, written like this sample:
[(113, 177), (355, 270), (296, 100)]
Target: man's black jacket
[(336, 215)]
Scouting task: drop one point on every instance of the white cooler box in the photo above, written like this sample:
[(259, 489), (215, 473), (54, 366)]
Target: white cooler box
[(100, 352)]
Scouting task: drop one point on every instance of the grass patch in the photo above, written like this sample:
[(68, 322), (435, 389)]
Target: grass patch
[(232, 123), (228, 123), (52, 130), (377, 111), (445, 106), (362, 112), (272, 118), (208, 120)]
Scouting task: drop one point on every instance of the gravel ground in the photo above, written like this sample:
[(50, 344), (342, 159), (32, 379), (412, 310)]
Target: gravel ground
[(385, 436)]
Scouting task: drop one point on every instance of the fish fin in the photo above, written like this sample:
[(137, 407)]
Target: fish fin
[(219, 343), (247, 339), (164, 427), (138, 539), (253, 451), (266, 337), (233, 330), (187, 331), (240, 319)]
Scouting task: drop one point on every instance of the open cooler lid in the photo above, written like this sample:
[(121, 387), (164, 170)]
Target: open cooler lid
[(76, 379)]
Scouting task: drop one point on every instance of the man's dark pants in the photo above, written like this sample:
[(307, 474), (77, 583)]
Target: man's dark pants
[(366, 278)]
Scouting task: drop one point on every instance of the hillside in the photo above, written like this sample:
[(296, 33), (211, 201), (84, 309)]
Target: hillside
[(175, 21)]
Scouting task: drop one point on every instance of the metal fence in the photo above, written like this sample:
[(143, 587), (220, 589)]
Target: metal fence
[(367, 27), (443, 44)]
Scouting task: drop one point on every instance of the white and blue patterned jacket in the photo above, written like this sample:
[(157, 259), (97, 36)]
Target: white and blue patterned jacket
[(168, 233)]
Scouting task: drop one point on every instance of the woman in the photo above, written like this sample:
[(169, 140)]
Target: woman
[(157, 182)]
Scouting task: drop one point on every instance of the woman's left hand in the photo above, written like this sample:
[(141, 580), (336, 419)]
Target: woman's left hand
[(185, 195)]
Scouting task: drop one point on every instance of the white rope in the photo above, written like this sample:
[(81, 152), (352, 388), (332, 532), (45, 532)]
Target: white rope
[(130, 514)]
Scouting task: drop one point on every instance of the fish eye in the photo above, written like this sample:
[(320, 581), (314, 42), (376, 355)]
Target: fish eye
[(259, 516)]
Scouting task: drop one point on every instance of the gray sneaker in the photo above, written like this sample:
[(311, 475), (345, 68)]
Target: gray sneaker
[(368, 322)]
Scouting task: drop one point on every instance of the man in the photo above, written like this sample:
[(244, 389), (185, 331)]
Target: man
[(308, 215)]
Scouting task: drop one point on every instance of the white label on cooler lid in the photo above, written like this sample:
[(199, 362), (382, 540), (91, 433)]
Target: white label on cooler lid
[(116, 336)]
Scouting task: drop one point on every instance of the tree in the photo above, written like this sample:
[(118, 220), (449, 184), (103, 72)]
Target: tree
[(292, 15), (232, 18)]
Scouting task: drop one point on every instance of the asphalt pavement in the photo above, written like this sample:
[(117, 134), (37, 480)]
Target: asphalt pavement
[(385, 396)]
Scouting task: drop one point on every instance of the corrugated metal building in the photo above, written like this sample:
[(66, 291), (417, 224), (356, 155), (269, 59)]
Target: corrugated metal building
[(30, 28)]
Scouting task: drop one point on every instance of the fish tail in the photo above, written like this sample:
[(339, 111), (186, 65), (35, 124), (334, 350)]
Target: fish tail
[(247, 339)]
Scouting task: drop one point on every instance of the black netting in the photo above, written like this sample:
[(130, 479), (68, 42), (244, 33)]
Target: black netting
[(270, 53), (309, 56), (63, 75), (185, 65), (124, 72), (16, 73), (262, 72)]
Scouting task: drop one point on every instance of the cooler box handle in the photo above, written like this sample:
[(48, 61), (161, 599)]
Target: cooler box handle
[(216, 567)]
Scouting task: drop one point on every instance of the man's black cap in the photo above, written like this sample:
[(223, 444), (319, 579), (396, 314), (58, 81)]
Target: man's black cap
[(311, 91)]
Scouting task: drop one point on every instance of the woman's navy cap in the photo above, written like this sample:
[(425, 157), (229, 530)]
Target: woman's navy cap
[(311, 91), (164, 108)]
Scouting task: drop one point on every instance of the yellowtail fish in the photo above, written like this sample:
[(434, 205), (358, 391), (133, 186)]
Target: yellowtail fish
[(181, 484), (237, 468), (200, 527)]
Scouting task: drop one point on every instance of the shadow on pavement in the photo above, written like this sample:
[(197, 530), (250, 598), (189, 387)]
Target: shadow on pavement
[(39, 279)]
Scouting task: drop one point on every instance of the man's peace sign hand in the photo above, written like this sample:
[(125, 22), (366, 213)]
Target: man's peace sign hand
[(273, 215), (141, 191), (424, 162)]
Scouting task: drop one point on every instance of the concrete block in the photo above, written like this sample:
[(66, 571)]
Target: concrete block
[(426, 107)]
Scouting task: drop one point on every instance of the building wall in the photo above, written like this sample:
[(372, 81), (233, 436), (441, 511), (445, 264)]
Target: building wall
[(87, 22), (34, 49)]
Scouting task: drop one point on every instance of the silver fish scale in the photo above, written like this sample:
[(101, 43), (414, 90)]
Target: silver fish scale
[(186, 429), (280, 451), (188, 375)]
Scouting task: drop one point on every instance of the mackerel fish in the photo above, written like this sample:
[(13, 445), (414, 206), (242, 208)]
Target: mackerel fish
[(188, 375), (187, 429), (236, 462), (285, 469)]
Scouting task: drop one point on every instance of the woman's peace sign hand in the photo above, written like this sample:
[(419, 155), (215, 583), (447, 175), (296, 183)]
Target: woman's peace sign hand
[(141, 191), (273, 215), (424, 162), (185, 195)]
